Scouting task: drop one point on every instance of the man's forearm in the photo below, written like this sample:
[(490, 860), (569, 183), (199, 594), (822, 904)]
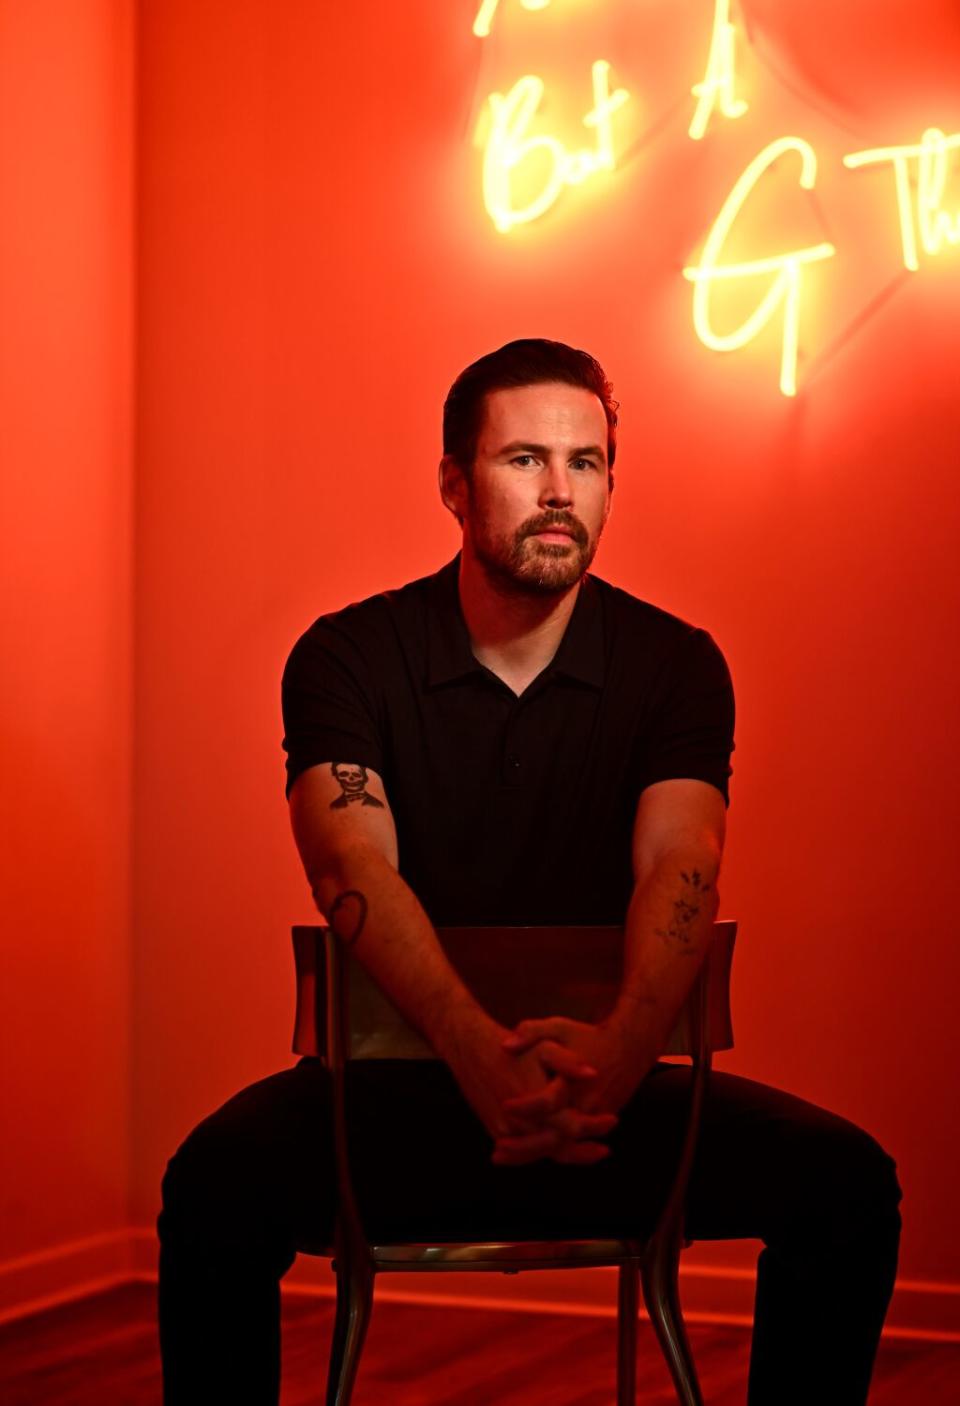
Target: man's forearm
[(668, 927), (373, 911)]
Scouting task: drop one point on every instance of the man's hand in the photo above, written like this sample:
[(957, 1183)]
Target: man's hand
[(492, 1078), (556, 1040)]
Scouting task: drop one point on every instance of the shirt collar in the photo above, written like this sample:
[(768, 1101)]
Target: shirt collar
[(449, 656)]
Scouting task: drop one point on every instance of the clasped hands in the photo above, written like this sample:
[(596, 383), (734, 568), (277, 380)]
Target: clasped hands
[(590, 1072)]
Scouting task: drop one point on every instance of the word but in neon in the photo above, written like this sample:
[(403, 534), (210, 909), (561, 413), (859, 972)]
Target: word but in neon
[(786, 287), (509, 144), (935, 226), (718, 83), (488, 9)]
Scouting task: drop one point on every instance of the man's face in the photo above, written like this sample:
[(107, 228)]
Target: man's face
[(538, 496), (351, 778)]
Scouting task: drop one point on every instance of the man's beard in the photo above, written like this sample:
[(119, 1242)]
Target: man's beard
[(528, 566)]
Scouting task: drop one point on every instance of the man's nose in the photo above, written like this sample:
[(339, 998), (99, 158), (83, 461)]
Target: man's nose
[(557, 487)]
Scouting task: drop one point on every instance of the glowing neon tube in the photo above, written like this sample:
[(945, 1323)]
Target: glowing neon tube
[(508, 144), (717, 84), (786, 288), (935, 226), (488, 9)]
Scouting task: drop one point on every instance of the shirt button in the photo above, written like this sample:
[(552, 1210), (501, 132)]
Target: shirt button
[(513, 763)]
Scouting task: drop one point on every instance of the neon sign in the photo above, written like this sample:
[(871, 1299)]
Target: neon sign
[(717, 84), (921, 171), (936, 226), (509, 144), (786, 269), (486, 12)]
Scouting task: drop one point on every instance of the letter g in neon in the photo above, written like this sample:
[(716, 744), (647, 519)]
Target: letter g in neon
[(785, 290)]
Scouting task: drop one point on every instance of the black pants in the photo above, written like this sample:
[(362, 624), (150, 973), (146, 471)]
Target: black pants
[(253, 1184)]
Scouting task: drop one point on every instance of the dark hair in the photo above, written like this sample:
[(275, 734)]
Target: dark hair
[(530, 361)]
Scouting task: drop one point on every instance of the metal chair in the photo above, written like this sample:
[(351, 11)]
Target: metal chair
[(572, 971)]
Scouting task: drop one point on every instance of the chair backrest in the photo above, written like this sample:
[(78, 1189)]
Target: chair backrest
[(515, 973)]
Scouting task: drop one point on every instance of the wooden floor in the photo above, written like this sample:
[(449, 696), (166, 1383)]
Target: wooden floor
[(102, 1352)]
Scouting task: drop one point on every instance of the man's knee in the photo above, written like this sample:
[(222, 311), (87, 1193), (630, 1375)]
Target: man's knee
[(199, 1187), (855, 1187), (257, 1168), (876, 1185)]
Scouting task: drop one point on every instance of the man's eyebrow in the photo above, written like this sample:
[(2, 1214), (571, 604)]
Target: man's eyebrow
[(519, 446)]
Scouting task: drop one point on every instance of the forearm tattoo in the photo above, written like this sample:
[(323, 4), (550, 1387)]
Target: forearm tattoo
[(353, 786), (685, 909), (347, 915)]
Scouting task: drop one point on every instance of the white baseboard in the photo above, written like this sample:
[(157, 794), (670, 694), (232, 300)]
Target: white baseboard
[(716, 1285)]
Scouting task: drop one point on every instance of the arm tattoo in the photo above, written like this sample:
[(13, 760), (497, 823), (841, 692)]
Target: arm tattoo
[(685, 909), (353, 786), (348, 913)]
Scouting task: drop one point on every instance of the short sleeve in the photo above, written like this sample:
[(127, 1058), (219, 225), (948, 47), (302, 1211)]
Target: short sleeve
[(329, 704), (692, 723)]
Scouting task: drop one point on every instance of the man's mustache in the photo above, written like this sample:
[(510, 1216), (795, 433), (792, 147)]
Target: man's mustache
[(557, 524)]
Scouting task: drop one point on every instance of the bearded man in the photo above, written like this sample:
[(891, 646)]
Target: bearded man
[(537, 746)]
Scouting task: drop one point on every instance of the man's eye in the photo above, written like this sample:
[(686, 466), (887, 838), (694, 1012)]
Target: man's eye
[(584, 464), (524, 460)]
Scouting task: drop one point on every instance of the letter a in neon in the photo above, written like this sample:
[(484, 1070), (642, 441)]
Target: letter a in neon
[(717, 84)]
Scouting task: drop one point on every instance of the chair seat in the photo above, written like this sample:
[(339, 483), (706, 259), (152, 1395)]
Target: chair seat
[(504, 1255)]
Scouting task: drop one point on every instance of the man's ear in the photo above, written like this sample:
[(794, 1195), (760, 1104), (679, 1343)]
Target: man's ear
[(607, 509), (453, 486)]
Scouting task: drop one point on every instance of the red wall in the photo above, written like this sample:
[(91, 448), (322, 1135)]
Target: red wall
[(66, 245), (314, 266), (317, 265)]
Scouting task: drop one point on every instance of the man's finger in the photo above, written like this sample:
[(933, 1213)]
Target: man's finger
[(528, 1032), (520, 1044), (574, 1124), (567, 1126), (580, 1154), (563, 1061), (534, 1106), (546, 1025), (525, 1147), (551, 1099), (514, 1152)]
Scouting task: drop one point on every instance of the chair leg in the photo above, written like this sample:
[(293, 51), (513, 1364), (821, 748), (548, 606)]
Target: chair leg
[(659, 1270), (354, 1306), (628, 1304)]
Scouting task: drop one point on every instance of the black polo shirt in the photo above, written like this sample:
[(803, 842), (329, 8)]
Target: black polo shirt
[(511, 810)]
